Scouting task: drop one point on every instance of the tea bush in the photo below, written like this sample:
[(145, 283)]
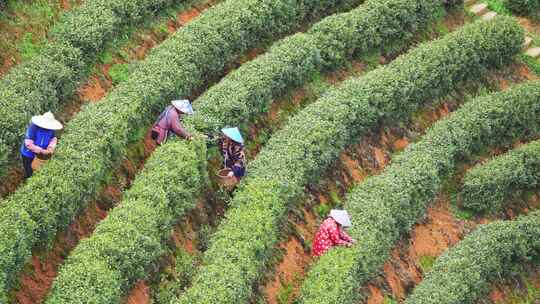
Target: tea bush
[(96, 138), (312, 140), (524, 7), (488, 186), (131, 239), (250, 90), (386, 206), (464, 272), (44, 82)]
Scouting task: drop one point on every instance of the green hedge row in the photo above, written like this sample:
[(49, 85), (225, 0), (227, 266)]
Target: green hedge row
[(463, 273), (312, 140), (96, 138), (251, 89), (524, 7), (124, 246), (488, 186), (73, 276), (388, 205), (44, 82)]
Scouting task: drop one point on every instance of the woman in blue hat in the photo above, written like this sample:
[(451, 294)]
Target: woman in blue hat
[(170, 120), (232, 149)]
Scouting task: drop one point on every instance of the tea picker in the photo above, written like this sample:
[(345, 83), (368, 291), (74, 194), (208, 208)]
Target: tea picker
[(231, 145), (170, 120), (331, 233), (39, 142)]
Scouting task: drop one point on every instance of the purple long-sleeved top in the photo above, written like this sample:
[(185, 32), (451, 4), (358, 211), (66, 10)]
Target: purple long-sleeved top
[(169, 120)]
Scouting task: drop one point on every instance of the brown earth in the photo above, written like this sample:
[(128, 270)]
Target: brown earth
[(530, 25), (430, 238), (296, 257), (140, 294)]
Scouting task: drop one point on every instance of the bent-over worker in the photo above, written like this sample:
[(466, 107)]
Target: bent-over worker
[(232, 149), (170, 120), (39, 140), (331, 233)]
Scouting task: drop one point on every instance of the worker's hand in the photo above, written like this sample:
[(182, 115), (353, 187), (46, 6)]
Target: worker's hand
[(353, 241), (189, 137), (230, 174), (45, 152)]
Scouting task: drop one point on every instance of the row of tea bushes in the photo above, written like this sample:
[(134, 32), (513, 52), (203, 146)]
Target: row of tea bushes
[(386, 206), (312, 140), (96, 138), (463, 274), (487, 187), (45, 82)]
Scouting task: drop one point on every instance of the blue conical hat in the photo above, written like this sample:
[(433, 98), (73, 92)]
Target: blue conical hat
[(183, 105), (234, 134)]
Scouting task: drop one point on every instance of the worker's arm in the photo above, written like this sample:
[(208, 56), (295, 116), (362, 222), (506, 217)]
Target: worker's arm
[(29, 143), (52, 145), (345, 236), (177, 127), (29, 140), (335, 235)]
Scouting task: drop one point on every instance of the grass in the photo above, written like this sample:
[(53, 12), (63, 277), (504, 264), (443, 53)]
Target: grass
[(24, 26), (389, 300), (285, 293), (27, 47), (498, 7), (426, 262), (119, 73)]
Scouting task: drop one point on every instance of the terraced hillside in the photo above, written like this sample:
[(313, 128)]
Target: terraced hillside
[(419, 117)]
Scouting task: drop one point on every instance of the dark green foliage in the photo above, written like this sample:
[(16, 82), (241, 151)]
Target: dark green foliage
[(45, 81), (130, 240), (312, 140), (388, 205), (487, 187), (463, 273), (251, 89), (96, 138), (524, 7)]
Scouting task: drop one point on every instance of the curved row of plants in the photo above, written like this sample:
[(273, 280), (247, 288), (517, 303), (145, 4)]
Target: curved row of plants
[(524, 7), (96, 138), (124, 246), (386, 206), (487, 187), (312, 140), (77, 273), (44, 82), (463, 273), (250, 89)]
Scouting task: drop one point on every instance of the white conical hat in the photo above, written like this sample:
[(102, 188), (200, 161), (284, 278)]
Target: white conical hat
[(341, 216), (47, 121), (183, 105)]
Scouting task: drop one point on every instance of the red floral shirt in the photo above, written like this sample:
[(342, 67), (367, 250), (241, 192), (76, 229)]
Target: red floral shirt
[(330, 234)]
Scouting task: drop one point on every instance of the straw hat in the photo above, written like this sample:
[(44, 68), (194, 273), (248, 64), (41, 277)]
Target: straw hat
[(183, 105), (234, 134), (341, 216), (47, 121)]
